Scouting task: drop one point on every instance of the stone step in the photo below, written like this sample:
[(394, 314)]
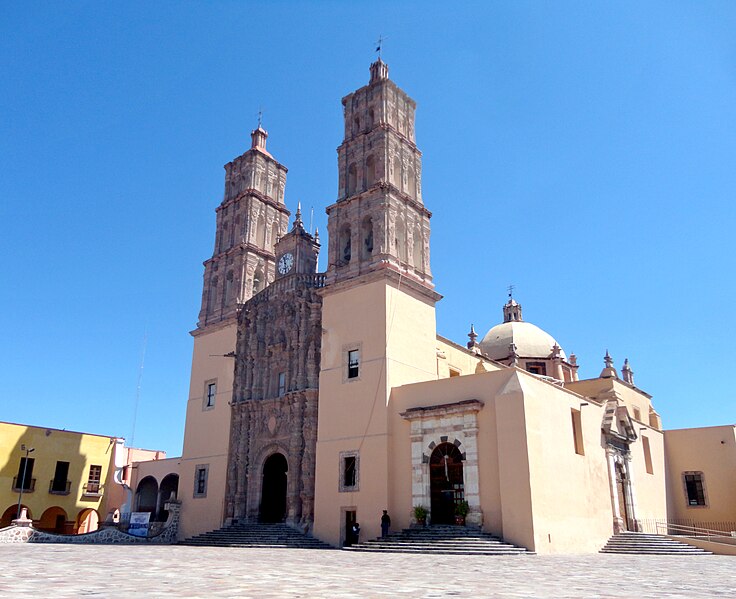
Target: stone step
[(256, 536), (436, 551), (632, 543)]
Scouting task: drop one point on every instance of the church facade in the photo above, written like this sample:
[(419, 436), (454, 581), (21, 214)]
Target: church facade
[(321, 399)]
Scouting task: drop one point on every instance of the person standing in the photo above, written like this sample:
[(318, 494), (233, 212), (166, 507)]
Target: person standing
[(356, 533), (385, 523)]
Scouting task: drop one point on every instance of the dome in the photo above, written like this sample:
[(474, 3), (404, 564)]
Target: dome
[(530, 341)]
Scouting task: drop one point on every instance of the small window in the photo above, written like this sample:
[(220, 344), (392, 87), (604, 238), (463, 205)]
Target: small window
[(577, 432), (647, 455), (93, 486), (200, 480), (353, 363), (282, 383), (539, 368), (24, 480), (210, 393), (349, 469), (454, 372), (637, 414), (694, 489)]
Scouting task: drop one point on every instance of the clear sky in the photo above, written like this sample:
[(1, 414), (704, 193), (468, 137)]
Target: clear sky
[(583, 151)]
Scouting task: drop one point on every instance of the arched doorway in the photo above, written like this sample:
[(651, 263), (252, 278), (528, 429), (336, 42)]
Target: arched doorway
[(273, 491), (446, 482), (623, 491), (53, 520), (11, 514), (146, 495), (87, 521), (168, 490)]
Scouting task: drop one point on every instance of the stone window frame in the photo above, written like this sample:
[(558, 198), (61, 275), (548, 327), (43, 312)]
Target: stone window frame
[(341, 465), (205, 404), (702, 482), (346, 349), (197, 469)]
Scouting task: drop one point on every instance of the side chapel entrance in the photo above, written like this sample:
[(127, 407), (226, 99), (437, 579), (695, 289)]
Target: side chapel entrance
[(273, 490), (446, 482)]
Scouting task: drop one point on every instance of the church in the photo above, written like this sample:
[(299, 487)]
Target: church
[(323, 398)]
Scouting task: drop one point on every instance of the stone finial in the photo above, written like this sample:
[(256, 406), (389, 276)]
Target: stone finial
[(316, 235), (573, 360), (556, 351), (298, 224), (379, 71), (473, 338), (513, 354), (626, 372), (608, 372)]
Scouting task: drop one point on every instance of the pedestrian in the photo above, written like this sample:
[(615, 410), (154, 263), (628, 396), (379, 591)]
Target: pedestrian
[(385, 523), (356, 533)]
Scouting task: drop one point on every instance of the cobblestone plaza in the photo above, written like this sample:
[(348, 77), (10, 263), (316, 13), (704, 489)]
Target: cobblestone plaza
[(124, 571)]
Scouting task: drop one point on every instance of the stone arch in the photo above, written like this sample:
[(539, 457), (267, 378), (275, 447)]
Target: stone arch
[(367, 237), (168, 489), (352, 179), (345, 248), (447, 482), (11, 514), (400, 239), (396, 172), (229, 287), (212, 295), (146, 495), (411, 182), (418, 247), (255, 476), (87, 520), (261, 231), (53, 520), (259, 280), (370, 171)]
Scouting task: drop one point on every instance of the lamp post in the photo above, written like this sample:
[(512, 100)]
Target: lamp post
[(28, 451)]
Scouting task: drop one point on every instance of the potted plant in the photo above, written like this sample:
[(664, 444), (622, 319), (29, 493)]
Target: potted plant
[(461, 511), (420, 515)]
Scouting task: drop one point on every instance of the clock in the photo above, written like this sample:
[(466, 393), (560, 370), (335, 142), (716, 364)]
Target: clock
[(285, 263)]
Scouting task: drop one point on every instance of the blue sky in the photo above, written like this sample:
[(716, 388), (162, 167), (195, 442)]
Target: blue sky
[(583, 151)]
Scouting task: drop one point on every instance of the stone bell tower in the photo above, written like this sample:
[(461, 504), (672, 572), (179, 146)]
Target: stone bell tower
[(379, 219), (378, 313), (250, 219)]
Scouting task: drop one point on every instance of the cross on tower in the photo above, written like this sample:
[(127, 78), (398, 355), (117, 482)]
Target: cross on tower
[(379, 45), (511, 291), (260, 118)]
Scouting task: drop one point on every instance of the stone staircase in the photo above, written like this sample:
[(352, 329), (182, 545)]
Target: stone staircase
[(446, 540), (256, 535), (639, 543)]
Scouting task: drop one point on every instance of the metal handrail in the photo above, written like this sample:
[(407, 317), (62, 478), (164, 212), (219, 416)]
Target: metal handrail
[(54, 490), (696, 531)]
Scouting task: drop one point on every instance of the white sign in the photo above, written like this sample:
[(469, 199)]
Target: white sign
[(139, 524)]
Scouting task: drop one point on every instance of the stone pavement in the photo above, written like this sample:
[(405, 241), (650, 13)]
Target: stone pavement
[(124, 571)]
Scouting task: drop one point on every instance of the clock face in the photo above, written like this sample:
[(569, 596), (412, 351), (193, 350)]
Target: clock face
[(285, 263)]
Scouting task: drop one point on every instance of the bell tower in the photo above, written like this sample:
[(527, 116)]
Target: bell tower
[(379, 220), (250, 219), (378, 312)]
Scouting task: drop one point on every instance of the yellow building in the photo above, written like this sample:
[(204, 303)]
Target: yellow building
[(66, 480)]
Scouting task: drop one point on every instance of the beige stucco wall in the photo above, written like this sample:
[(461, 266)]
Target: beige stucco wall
[(207, 431), (450, 355), (712, 451), (608, 387), (395, 332)]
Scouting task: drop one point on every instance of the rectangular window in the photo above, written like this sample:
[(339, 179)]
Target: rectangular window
[(637, 414), (210, 392), (353, 363), (577, 432), (93, 486), (282, 383), (694, 489), (59, 484), (25, 479), (539, 368), (454, 372), (200, 480), (647, 455), (349, 471)]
